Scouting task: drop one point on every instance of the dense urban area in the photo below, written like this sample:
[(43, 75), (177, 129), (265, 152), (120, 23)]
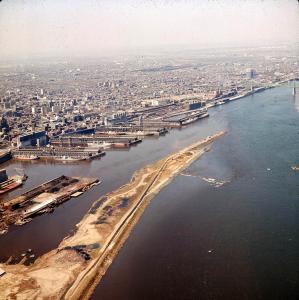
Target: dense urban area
[(50, 104)]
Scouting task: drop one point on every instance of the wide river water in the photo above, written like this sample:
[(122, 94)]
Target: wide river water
[(196, 240)]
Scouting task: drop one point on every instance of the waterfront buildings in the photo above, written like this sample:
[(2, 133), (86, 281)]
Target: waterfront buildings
[(63, 97)]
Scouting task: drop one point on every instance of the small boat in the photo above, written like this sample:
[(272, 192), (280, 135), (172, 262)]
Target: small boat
[(295, 168)]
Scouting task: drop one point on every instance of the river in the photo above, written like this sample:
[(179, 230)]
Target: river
[(195, 240)]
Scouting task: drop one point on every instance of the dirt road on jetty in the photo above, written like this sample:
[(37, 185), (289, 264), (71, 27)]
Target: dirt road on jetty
[(74, 269)]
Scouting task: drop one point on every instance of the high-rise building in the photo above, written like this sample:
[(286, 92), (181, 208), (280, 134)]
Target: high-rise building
[(251, 73)]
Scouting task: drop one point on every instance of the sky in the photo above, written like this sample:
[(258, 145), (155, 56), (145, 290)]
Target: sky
[(31, 28)]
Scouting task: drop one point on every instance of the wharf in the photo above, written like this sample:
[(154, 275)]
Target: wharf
[(160, 123), (42, 198), (129, 135), (101, 140), (192, 119), (185, 116), (132, 129), (78, 153)]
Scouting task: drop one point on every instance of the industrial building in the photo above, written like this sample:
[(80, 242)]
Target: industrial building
[(33, 139)]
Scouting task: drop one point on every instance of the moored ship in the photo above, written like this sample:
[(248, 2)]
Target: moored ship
[(26, 157), (191, 120)]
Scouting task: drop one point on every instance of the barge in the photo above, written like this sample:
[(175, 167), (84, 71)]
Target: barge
[(42, 199)]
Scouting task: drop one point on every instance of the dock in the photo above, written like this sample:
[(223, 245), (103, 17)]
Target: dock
[(131, 130), (102, 141), (58, 153), (42, 198)]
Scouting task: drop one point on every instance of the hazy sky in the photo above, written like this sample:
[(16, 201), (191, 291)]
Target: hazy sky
[(83, 27)]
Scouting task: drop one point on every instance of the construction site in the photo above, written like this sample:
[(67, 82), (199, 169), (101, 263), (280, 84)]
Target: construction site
[(42, 199)]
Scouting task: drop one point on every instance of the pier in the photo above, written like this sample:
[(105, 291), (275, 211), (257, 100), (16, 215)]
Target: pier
[(57, 153), (42, 198), (102, 141), (186, 117), (137, 130)]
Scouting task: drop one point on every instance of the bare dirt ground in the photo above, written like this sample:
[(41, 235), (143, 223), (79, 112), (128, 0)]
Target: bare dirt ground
[(73, 269)]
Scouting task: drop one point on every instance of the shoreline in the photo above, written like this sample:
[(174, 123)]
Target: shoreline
[(106, 260), (259, 90), (73, 270)]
